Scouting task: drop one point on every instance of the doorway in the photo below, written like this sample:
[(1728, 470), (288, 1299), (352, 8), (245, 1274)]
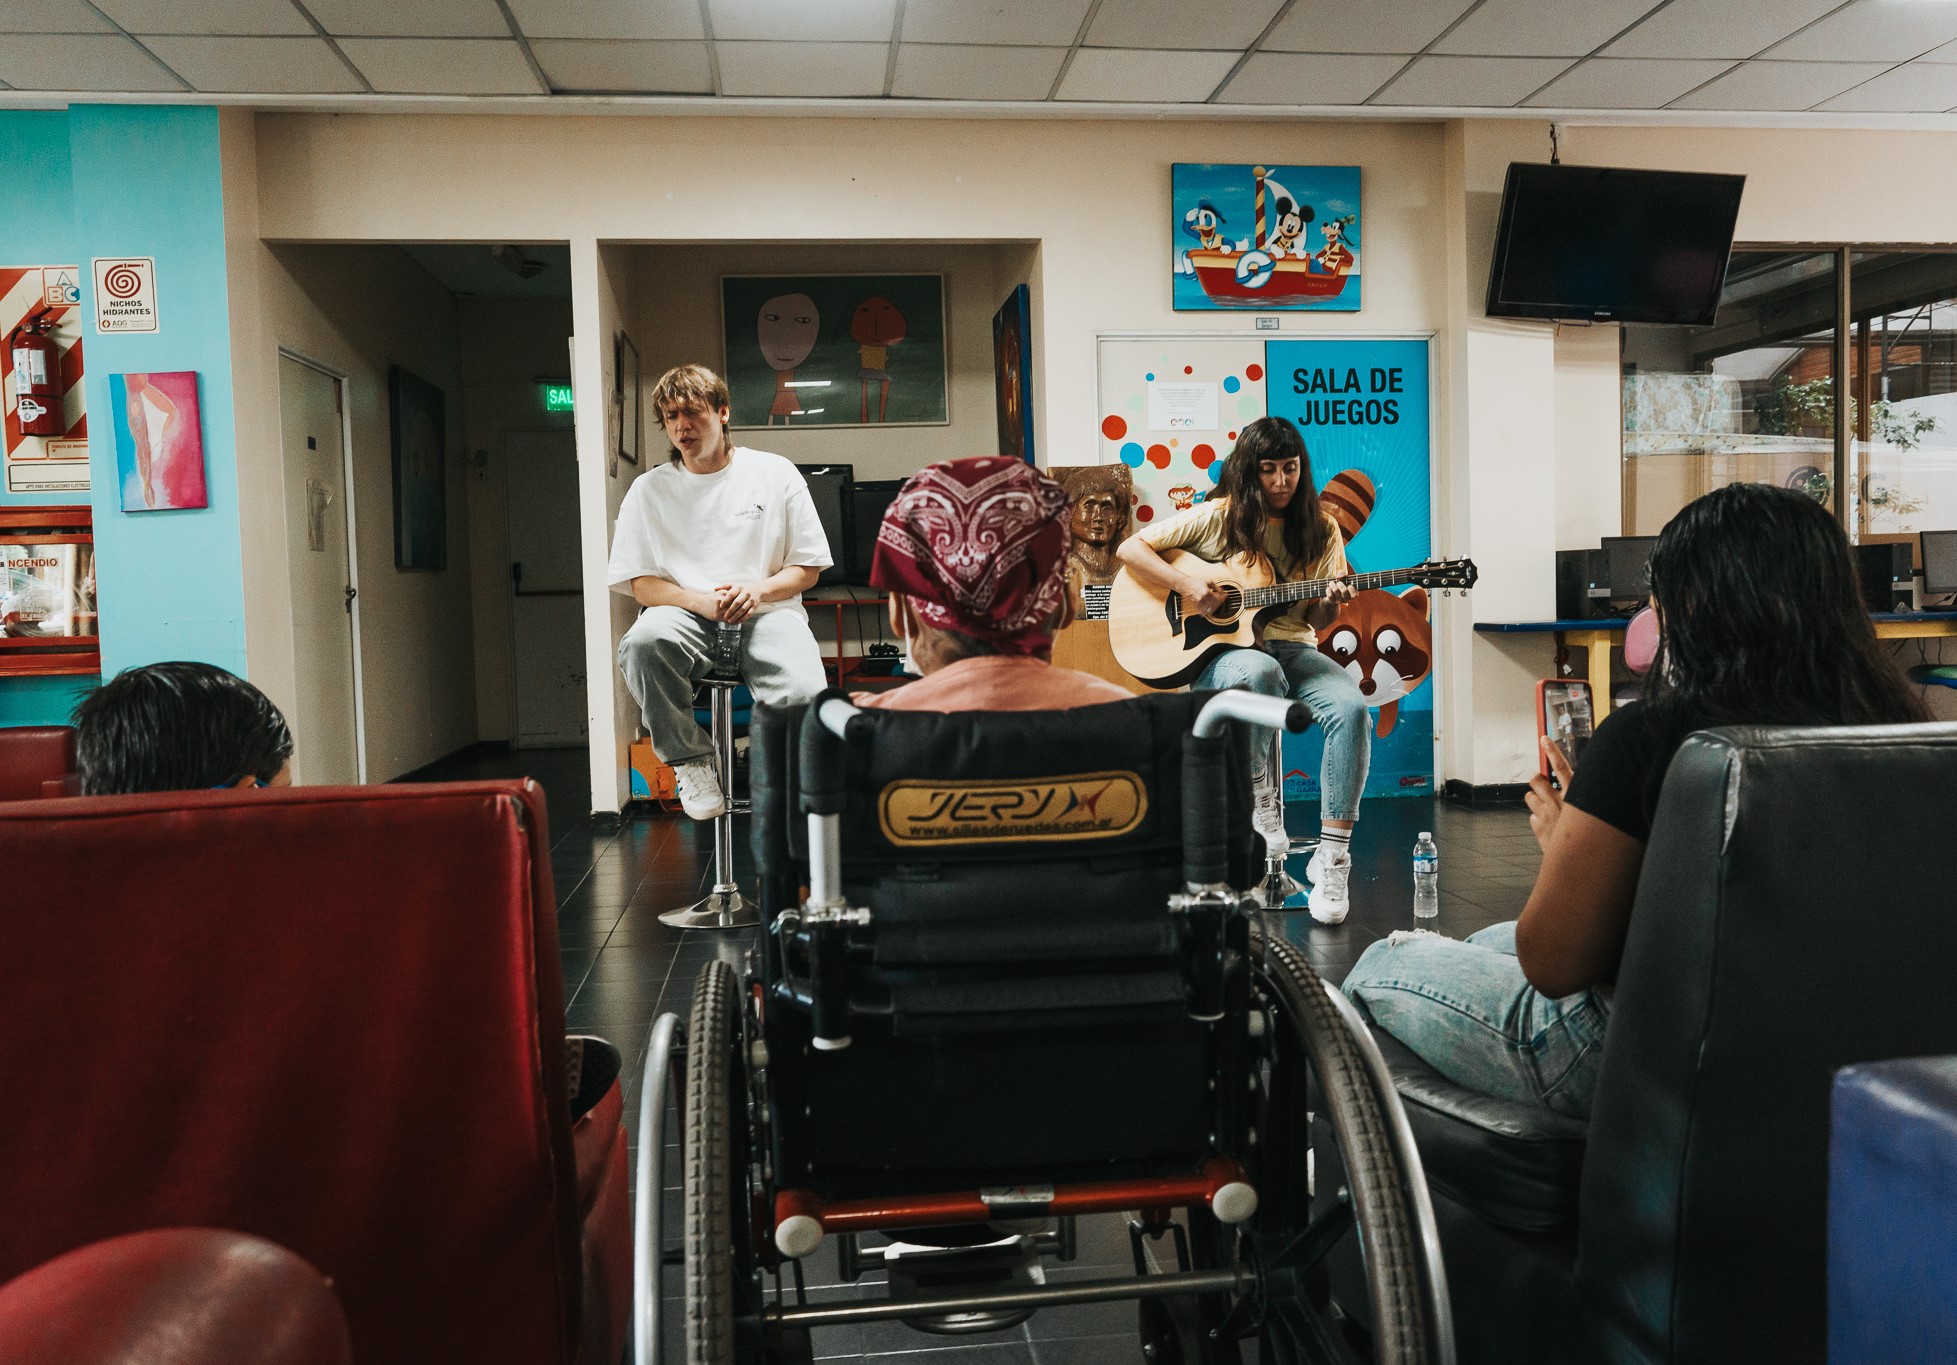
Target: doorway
[(546, 588), (319, 521)]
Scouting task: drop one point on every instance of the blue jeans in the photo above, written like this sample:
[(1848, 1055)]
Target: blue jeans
[(1466, 1009), (1284, 668)]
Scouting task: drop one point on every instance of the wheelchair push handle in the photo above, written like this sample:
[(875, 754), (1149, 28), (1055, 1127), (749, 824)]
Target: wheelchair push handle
[(824, 752), (1252, 708), (1205, 776)]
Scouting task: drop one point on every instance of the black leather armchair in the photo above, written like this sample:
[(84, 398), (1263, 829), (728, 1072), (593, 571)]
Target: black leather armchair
[(1797, 912)]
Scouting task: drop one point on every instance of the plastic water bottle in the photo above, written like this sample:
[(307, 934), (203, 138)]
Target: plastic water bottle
[(1426, 877)]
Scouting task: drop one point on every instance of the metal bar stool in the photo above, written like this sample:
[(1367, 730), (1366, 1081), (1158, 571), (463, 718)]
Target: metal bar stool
[(1279, 889), (724, 907)]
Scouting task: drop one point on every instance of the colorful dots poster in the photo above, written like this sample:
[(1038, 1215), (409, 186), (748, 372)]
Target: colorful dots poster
[(1171, 409)]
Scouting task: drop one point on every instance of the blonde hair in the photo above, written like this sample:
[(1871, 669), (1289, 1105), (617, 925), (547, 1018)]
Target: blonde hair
[(685, 385)]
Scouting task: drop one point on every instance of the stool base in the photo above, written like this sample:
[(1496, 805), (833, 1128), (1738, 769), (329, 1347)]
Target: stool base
[(725, 908)]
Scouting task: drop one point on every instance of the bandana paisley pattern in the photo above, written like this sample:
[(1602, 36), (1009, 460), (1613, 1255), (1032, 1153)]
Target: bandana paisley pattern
[(980, 546)]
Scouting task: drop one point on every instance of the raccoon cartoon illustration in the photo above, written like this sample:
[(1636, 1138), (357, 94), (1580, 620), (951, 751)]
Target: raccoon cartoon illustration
[(1384, 641)]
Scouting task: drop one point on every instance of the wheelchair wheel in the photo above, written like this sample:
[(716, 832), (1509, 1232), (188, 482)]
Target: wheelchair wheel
[(722, 1290), (1281, 1240)]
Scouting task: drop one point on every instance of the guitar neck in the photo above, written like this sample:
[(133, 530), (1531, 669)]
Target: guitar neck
[(1310, 589)]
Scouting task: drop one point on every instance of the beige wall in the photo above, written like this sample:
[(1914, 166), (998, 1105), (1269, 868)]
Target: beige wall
[(505, 345), (679, 321), (357, 310)]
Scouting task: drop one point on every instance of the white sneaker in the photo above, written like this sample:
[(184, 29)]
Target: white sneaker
[(1267, 817), (699, 789), (1329, 877)]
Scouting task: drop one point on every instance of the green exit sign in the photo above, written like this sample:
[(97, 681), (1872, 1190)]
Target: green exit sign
[(557, 398)]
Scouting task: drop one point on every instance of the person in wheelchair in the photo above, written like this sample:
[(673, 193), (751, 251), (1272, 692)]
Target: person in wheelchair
[(1762, 623), (974, 556)]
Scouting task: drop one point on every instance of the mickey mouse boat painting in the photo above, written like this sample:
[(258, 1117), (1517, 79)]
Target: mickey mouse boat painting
[(1300, 253)]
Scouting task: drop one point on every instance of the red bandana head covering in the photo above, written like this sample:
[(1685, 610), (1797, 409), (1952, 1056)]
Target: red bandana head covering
[(980, 546)]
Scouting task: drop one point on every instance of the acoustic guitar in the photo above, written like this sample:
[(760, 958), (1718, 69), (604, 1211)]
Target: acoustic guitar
[(1154, 640)]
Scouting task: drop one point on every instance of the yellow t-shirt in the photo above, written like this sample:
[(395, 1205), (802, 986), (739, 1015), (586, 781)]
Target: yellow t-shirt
[(1200, 530)]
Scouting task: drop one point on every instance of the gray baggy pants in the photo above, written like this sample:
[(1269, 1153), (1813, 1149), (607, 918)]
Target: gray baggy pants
[(669, 649)]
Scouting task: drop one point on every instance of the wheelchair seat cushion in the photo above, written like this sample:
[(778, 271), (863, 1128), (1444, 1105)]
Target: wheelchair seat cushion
[(1517, 1165)]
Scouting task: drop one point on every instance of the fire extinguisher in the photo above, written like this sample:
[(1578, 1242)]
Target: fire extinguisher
[(37, 376)]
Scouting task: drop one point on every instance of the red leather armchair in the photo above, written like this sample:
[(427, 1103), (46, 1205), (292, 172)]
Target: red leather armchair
[(174, 1296), (331, 1017), (37, 761)]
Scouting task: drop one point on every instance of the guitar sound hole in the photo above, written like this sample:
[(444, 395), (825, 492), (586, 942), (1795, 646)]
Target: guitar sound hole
[(1233, 603)]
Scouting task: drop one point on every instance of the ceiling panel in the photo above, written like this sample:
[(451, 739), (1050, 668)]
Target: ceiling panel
[(1625, 83), (1100, 73), (645, 67), (831, 21), (1471, 82), (255, 17), (51, 16), (1780, 86), (807, 70), (1290, 78), (1339, 26), (608, 18), (1873, 31), (1919, 88), (1039, 23), (1520, 28), (412, 18), (298, 66), (45, 61), (436, 66), (965, 72), (1717, 28), (1215, 25)]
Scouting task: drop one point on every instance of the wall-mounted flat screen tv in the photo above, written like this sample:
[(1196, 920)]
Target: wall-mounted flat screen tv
[(1604, 244)]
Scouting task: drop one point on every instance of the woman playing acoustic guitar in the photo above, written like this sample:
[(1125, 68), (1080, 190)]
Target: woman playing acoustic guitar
[(1266, 505)]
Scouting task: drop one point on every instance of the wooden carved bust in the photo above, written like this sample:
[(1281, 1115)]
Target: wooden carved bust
[(1102, 496)]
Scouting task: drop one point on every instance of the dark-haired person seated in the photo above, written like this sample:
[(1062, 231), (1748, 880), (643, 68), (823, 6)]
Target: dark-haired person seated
[(179, 727), (974, 556), (1762, 623)]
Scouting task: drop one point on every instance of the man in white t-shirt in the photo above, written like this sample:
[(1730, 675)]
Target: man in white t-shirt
[(719, 534)]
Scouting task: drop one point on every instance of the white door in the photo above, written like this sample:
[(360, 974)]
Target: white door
[(547, 587), (318, 525)]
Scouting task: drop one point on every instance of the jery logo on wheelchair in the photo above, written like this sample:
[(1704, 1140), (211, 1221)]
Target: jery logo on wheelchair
[(1086, 806)]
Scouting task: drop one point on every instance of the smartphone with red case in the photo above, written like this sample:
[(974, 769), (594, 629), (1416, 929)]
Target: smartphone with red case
[(1563, 715)]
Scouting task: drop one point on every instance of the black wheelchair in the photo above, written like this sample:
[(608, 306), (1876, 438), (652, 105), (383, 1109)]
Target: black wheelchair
[(1014, 972)]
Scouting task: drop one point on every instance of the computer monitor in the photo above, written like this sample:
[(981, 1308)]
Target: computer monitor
[(1939, 563), (869, 499), (829, 486), (1627, 556)]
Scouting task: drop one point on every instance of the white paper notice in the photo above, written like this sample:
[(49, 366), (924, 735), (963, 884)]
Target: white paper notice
[(1182, 407)]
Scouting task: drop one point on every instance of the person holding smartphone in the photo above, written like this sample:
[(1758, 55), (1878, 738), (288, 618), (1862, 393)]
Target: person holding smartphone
[(1762, 623)]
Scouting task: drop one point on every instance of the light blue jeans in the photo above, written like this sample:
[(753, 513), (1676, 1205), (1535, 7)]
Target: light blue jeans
[(1466, 1009), (1284, 668)]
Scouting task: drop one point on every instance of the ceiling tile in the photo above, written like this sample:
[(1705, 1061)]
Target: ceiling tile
[(438, 66), (253, 17), (675, 68), (51, 16), (420, 18), (1625, 83), (1920, 87), (1717, 28), (1340, 26), (294, 66), (1770, 87), (1101, 73), (1520, 28), (608, 18), (803, 70), (1872, 31), (45, 61), (966, 72), (1215, 25), (1309, 78), (1470, 82), (1946, 53), (830, 21), (1036, 23)]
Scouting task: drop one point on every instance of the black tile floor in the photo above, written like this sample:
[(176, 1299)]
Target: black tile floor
[(622, 968)]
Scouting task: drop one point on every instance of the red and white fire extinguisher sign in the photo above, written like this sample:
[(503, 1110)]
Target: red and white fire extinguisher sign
[(37, 379)]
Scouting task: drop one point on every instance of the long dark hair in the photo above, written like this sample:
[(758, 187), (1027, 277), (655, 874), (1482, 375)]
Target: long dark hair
[(1763, 620), (1305, 530), (177, 727)]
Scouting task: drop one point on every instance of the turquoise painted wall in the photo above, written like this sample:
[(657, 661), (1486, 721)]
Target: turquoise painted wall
[(111, 180)]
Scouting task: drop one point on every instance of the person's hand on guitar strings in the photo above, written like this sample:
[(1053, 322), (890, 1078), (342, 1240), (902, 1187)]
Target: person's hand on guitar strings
[(1204, 598)]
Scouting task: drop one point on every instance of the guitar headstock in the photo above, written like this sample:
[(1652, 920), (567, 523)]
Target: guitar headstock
[(1447, 573)]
